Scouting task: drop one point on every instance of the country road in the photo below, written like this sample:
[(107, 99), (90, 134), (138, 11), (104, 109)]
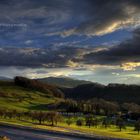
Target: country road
[(23, 133)]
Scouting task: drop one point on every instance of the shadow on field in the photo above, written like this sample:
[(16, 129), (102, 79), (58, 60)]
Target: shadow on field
[(133, 133)]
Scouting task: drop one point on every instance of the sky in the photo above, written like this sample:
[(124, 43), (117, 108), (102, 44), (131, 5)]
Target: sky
[(94, 40)]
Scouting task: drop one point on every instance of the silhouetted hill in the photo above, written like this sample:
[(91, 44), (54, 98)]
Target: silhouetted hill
[(113, 92), (63, 81)]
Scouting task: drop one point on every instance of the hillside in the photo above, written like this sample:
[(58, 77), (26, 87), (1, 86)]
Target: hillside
[(113, 92), (27, 94), (63, 81), (13, 96), (39, 86)]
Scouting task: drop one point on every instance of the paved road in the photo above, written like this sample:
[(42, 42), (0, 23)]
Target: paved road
[(15, 133)]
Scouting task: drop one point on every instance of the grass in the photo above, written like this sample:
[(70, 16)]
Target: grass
[(15, 97), (112, 131)]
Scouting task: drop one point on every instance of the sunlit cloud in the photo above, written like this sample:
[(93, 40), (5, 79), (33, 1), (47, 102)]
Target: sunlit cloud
[(130, 66)]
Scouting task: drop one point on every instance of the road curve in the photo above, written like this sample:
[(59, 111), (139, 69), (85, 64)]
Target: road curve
[(25, 133)]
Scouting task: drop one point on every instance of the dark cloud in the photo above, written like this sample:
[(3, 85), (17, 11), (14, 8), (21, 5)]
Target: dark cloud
[(38, 57), (88, 17), (127, 51), (105, 16)]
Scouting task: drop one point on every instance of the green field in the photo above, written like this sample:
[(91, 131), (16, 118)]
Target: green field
[(19, 98), (112, 131)]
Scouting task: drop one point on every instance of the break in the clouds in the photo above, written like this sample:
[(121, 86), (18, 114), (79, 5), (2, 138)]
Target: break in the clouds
[(126, 54), (96, 40)]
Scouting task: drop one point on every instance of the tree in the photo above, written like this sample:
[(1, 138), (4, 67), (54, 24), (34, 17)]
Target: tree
[(131, 107), (89, 120), (95, 122), (39, 116), (96, 106), (72, 105), (137, 126), (109, 107), (8, 114), (53, 117), (120, 123), (105, 122), (79, 122), (69, 121)]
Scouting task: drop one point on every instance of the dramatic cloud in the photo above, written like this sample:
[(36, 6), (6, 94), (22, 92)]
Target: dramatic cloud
[(63, 17), (126, 54), (40, 57), (94, 40), (106, 16)]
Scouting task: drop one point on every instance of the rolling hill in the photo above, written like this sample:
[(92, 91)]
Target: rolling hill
[(63, 81), (38, 86), (20, 97), (27, 94), (113, 92)]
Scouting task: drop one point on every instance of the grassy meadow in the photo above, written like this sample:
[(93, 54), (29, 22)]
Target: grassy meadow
[(111, 131), (19, 98)]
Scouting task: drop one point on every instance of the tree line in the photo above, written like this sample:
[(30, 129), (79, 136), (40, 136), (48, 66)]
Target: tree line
[(98, 107), (52, 119), (113, 92)]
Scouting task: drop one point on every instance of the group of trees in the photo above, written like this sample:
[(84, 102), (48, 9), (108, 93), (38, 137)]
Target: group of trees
[(90, 120), (98, 107), (41, 117), (36, 116), (106, 122), (112, 92), (121, 112), (52, 118)]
